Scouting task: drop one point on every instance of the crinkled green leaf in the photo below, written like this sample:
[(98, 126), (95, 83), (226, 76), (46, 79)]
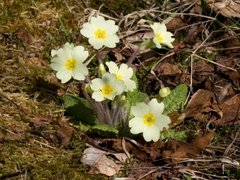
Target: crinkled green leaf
[(134, 78), (79, 108), (135, 97), (172, 134), (103, 130), (175, 100)]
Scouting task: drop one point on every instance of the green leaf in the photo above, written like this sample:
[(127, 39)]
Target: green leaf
[(172, 134), (175, 100), (134, 97), (103, 130), (79, 108), (135, 79)]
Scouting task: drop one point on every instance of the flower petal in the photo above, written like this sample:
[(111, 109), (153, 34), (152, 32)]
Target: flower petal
[(119, 87), (97, 96), (97, 44), (150, 134), (136, 125), (112, 67), (111, 41), (130, 84), (126, 71), (139, 110), (162, 122), (63, 75), (80, 72), (96, 84), (155, 107), (79, 54)]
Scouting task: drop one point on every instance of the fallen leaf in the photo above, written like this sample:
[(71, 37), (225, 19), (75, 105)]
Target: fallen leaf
[(202, 141), (168, 69), (200, 105), (177, 150), (100, 163), (174, 23), (192, 35), (116, 144), (231, 111), (65, 134), (228, 8), (201, 72), (233, 63), (106, 166), (117, 53), (24, 35), (38, 123)]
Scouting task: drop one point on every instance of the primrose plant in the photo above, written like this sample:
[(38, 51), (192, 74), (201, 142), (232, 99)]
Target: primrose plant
[(110, 93)]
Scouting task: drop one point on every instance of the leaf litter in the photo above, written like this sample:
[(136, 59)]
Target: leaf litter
[(213, 101)]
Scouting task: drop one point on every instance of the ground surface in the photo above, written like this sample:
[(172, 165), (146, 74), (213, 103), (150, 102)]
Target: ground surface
[(36, 140)]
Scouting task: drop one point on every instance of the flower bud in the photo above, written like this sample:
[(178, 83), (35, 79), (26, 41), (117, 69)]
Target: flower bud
[(123, 98), (165, 91), (101, 69), (88, 89)]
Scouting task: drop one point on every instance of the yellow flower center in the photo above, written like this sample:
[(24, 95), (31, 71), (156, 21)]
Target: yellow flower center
[(71, 64), (118, 76), (149, 119), (107, 90), (160, 38), (100, 34)]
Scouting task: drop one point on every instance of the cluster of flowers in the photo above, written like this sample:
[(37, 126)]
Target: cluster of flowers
[(69, 60)]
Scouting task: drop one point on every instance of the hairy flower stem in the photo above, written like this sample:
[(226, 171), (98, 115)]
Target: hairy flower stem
[(108, 117), (117, 113), (96, 106)]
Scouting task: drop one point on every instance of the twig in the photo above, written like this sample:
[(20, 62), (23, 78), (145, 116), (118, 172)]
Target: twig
[(230, 145), (232, 69), (192, 59)]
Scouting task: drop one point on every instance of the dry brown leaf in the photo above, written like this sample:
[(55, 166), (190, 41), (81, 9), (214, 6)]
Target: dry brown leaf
[(176, 150), (106, 166), (65, 134), (168, 69), (201, 103), (201, 72), (99, 162), (202, 141), (228, 8), (24, 35), (39, 122), (192, 35), (231, 111), (116, 145), (174, 23)]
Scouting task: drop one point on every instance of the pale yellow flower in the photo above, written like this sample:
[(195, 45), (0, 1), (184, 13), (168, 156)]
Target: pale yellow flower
[(149, 120), (123, 73), (68, 62), (101, 32), (106, 88), (161, 35)]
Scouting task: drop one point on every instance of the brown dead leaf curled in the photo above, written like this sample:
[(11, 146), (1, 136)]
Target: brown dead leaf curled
[(201, 103), (24, 35), (65, 134), (176, 150), (228, 8), (168, 69), (230, 109), (100, 163), (174, 23)]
